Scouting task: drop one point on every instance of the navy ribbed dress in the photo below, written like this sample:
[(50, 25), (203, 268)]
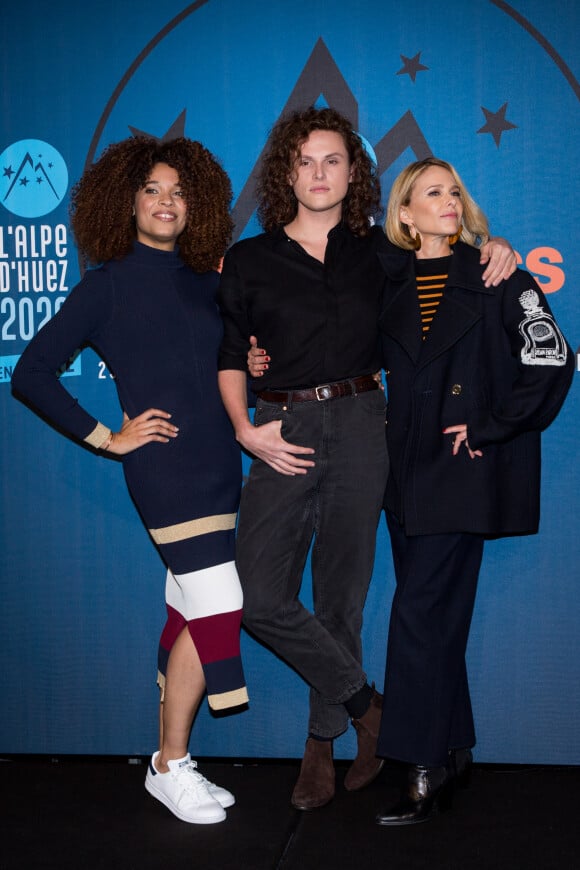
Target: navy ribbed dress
[(156, 324)]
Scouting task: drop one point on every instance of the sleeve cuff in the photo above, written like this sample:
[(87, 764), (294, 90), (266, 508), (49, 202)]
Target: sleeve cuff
[(98, 436)]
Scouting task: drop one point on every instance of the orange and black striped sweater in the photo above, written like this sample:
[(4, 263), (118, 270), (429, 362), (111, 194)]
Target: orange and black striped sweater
[(431, 276)]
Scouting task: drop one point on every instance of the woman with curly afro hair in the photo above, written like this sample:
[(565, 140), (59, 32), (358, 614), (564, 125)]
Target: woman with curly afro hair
[(154, 219)]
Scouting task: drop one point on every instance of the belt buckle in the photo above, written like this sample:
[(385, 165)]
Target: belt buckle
[(323, 392)]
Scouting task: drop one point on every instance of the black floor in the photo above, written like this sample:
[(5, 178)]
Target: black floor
[(95, 813)]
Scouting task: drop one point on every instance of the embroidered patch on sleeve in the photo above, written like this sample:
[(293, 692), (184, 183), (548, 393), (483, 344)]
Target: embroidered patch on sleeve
[(544, 344)]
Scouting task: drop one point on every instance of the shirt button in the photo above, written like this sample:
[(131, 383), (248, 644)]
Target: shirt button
[(456, 389)]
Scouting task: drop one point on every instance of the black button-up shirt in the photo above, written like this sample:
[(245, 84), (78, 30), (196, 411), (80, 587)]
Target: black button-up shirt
[(317, 321)]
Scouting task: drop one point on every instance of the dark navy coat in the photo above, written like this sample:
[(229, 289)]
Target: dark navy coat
[(494, 359)]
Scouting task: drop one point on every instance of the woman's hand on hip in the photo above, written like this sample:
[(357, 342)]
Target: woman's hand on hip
[(151, 425)]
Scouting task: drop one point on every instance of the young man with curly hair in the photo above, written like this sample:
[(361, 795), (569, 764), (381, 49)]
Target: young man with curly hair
[(309, 288)]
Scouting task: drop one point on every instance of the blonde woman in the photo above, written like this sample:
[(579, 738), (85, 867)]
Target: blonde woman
[(474, 375)]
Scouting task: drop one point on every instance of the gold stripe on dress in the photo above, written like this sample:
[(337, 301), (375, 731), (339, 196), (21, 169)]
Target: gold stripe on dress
[(228, 699), (193, 528)]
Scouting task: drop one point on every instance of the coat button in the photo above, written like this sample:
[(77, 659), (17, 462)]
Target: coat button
[(456, 390)]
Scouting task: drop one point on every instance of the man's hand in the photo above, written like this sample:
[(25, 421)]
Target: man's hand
[(267, 444), (501, 260)]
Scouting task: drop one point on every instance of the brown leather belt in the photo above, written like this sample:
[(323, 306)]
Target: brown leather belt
[(323, 392)]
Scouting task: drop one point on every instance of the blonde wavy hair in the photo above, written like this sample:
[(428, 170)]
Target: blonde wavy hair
[(475, 231)]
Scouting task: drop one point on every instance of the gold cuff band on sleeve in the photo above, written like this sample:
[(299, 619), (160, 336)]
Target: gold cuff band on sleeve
[(98, 436)]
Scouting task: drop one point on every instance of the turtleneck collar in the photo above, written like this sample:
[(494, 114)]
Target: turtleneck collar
[(155, 257)]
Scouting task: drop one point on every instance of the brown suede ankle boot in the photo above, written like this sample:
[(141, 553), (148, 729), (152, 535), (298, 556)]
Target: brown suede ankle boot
[(315, 785), (366, 765)]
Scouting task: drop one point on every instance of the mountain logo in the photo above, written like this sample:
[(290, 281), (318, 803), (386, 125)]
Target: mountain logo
[(33, 178)]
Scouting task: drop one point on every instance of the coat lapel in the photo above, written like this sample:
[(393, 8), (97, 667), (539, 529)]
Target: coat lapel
[(458, 311), (455, 316), (400, 318)]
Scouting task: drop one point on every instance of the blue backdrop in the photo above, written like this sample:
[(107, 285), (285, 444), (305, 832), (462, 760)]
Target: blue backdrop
[(491, 86)]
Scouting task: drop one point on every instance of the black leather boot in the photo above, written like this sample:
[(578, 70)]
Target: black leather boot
[(428, 790)]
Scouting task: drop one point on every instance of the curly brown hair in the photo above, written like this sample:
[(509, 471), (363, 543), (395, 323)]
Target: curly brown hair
[(102, 201), (277, 204)]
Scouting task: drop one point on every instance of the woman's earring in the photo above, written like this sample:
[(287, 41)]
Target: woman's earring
[(415, 238), (456, 236), (133, 212)]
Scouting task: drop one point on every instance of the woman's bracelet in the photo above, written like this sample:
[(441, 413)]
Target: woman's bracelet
[(107, 442)]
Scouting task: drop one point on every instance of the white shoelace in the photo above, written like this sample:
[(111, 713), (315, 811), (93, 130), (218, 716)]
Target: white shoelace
[(193, 764), (190, 779)]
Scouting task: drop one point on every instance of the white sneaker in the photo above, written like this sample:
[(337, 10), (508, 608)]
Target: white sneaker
[(185, 792), (224, 797)]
